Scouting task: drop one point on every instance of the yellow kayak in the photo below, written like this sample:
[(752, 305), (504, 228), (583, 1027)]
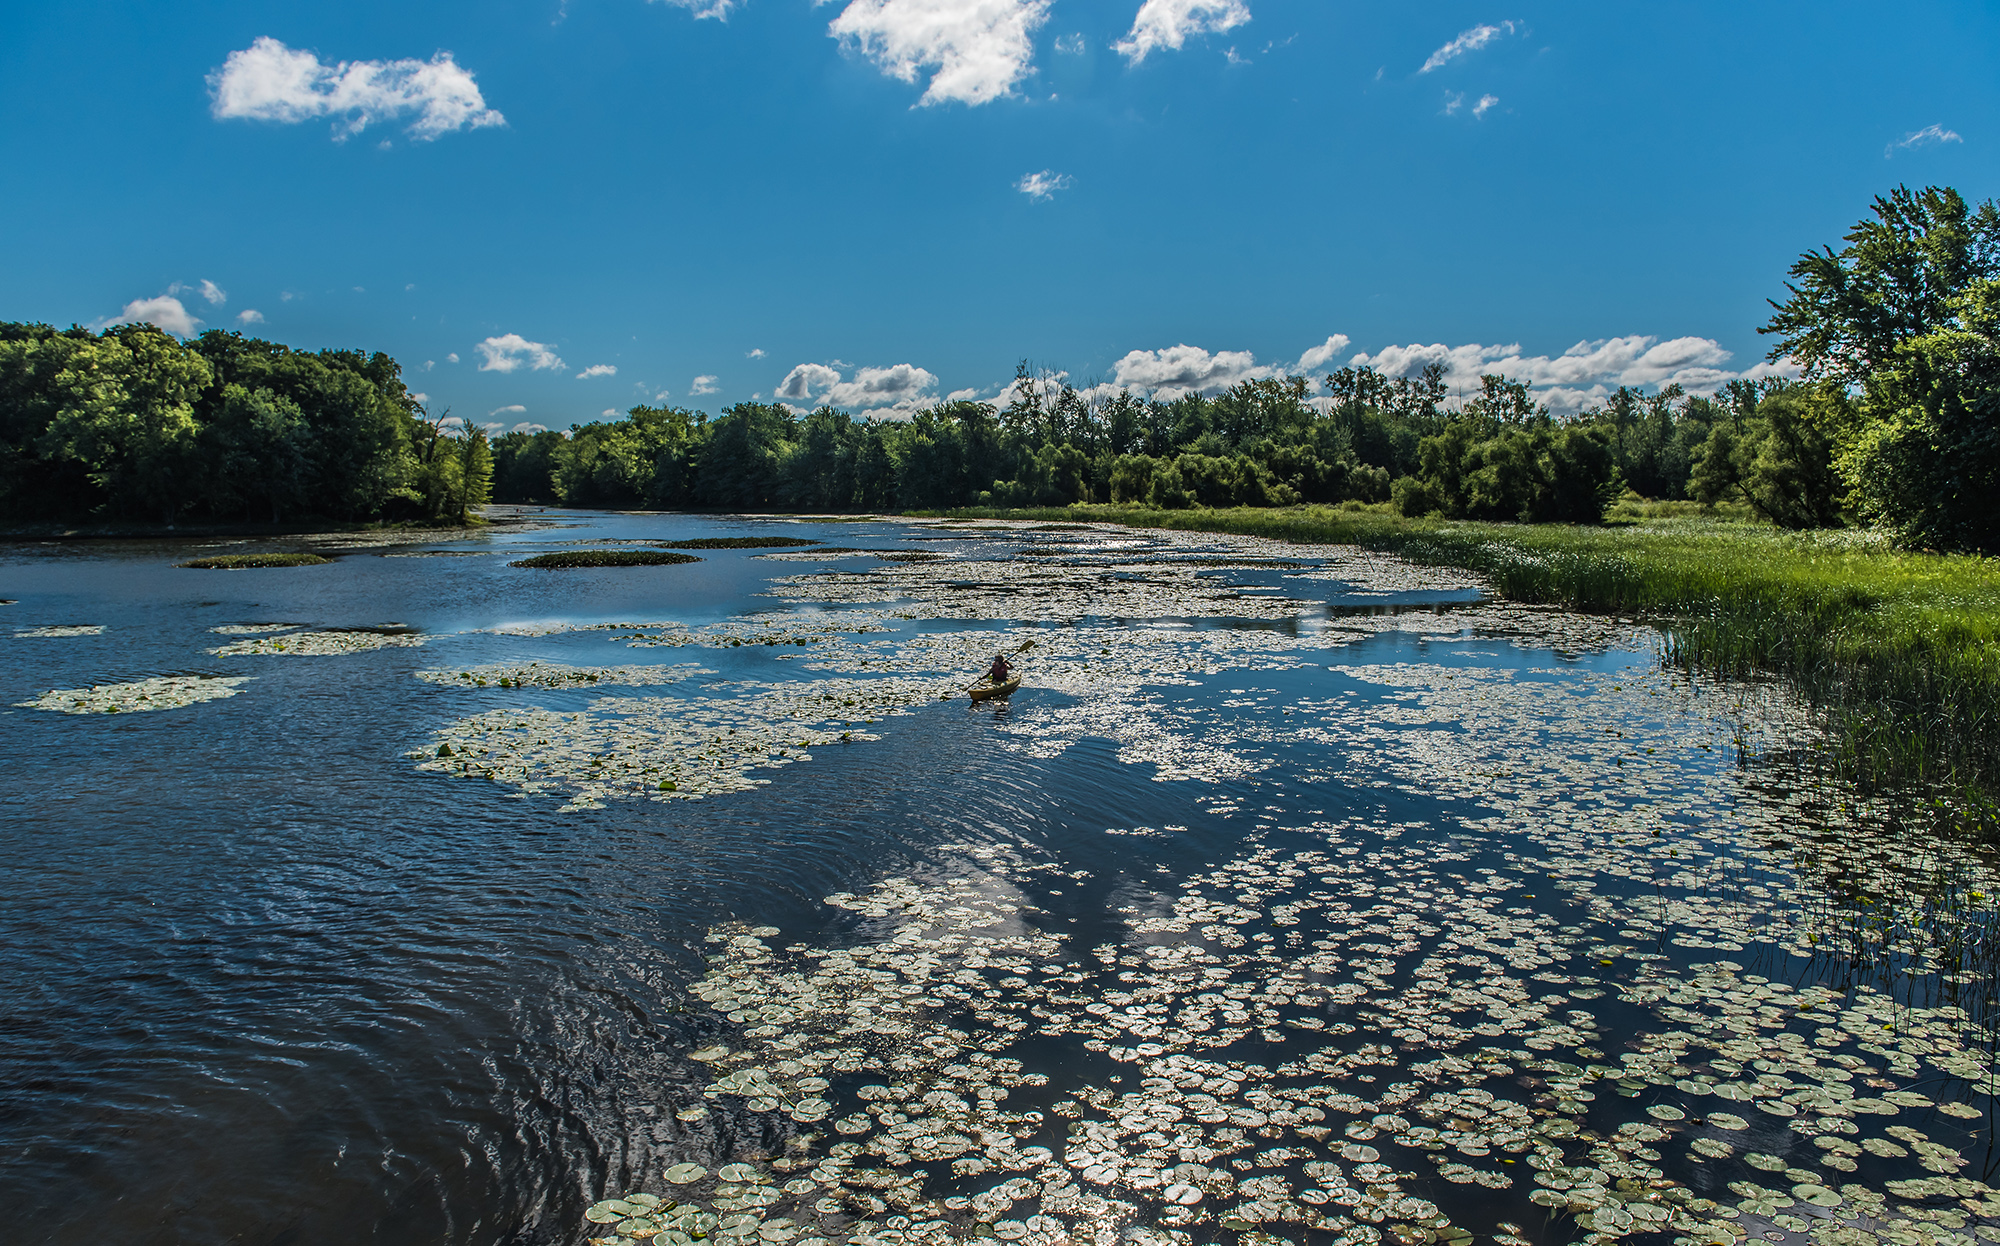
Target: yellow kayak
[(981, 692)]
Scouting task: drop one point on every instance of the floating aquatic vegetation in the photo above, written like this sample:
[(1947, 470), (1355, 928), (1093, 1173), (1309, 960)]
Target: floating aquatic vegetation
[(243, 562), (605, 558), (321, 644), (254, 629), (739, 542), (165, 692), (1361, 1029), (558, 675), (668, 748), (436, 553), (61, 631)]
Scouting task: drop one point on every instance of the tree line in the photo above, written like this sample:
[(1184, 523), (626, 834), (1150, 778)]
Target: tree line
[(134, 424), (1266, 442), (1895, 421)]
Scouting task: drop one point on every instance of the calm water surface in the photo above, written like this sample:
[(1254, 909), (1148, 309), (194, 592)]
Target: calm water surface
[(263, 978)]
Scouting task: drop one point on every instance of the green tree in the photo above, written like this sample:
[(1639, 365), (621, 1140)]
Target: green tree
[(476, 470), (125, 412)]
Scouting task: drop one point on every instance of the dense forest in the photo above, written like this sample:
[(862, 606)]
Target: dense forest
[(1261, 443), (1895, 421), (132, 424)]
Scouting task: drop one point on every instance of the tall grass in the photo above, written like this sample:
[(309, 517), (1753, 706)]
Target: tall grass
[(1898, 650)]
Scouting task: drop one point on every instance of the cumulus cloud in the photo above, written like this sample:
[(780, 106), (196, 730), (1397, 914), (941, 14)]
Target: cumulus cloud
[(1319, 356), (1485, 102), (511, 351), (756, 353), (165, 311), (215, 294), (1929, 136), (249, 316), (1176, 370), (270, 82), (901, 388), (595, 369), (452, 357), (978, 48), (1044, 185), (1467, 41), (704, 385), (1170, 23), (1582, 376), (514, 409), (717, 9)]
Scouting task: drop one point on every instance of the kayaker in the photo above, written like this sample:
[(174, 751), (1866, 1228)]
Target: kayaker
[(1000, 671)]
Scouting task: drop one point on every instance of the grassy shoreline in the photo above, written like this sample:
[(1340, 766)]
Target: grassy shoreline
[(1899, 650)]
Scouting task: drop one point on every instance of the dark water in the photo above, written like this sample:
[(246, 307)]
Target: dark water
[(262, 980)]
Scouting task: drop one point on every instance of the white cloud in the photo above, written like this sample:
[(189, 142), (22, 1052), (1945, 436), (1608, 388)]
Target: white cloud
[(515, 409), (270, 82), (213, 293), (901, 388), (165, 311), (510, 351), (717, 9), (979, 48), (1044, 185), (608, 412), (757, 353), (1319, 356), (1582, 376), (1170, 23), (596, 369), (1926, 137), (249, 316), (1453, 101), (1485, 102), (429, 364), (496, 428), (1467, 41), (1176, 370), (703, 385), (1071, 45), (452, 357)]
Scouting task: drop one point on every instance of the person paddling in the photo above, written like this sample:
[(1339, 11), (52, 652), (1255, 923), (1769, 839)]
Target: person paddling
[(1000, 671)]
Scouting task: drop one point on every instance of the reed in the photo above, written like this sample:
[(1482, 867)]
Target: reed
[(1898, 650)]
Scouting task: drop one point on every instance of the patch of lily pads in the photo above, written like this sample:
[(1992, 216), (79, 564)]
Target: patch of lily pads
[(320, 644), (584, 558), (1627, 993), (61, 631), (164, 692), (245, 562), (560, 675)]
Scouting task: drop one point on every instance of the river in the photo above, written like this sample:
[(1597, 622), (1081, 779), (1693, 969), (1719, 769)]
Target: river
[(1299, 896)]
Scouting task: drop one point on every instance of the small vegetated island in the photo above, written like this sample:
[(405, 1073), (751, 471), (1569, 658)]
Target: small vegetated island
[(242, 562), (575, 558)]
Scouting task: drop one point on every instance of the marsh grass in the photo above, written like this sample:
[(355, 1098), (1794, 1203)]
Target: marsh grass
[(605, 558), (240, 562), (1898, 650)]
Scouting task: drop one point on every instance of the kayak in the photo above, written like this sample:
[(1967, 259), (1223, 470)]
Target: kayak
[(981, 692)]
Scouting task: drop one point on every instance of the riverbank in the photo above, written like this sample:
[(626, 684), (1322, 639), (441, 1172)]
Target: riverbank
[(1900, 650)]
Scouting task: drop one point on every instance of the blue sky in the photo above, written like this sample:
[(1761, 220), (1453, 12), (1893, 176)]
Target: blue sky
[(896, 200)]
